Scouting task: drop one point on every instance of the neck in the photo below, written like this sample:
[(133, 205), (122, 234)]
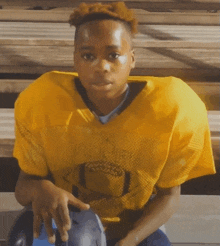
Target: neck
[(105, 105)]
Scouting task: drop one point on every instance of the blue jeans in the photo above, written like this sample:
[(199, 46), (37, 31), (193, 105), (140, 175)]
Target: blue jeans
[(158, 238), (86, 230)]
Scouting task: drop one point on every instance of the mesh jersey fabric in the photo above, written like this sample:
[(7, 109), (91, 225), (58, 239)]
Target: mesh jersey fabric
[(162, 139)]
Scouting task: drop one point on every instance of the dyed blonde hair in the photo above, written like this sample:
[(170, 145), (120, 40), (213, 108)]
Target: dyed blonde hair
[(116, 11)]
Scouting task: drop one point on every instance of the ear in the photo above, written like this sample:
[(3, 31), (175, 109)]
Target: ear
[(132, 59)]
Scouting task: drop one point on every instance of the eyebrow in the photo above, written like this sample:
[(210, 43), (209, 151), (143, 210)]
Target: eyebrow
[(108, 47), (113, 47), (86, 48)]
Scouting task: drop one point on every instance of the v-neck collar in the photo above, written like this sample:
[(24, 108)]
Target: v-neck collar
[(135, 89)]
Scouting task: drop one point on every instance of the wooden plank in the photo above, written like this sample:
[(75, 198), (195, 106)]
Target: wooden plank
[(186, 63), (18, 54), (9, 210), (18, 85), (209, 92), (149, 18), (138, 42), (6, 149), (8, 202), (15, 57), (63, 31), (187, 74), (209, 89), (34, 15), (7, 132), (13, 86), (196, 221), (164, 5), (70, 3)]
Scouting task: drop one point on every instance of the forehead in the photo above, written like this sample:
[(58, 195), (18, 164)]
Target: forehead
[(104, 32)]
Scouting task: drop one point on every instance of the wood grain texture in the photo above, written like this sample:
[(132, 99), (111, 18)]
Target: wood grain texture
[(62, 32), (188, 64), (196, 221), (137, 43), (207, 89), (191, 53), (149, 57), (209, 92), (154, 5), (143, 18)]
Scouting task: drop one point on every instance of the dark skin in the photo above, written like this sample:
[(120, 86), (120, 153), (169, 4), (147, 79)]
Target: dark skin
[(103, 60)]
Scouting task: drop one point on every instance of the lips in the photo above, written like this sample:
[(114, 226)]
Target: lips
[(101, 82), (102, 85)]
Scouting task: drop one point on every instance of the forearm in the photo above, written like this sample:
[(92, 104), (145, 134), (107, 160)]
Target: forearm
[(26, 188), (156, 213)]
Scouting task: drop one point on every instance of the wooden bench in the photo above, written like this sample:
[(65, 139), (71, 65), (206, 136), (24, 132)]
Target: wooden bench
[(178, 38), (189, 51), (161, 50), (197, 217), (150, 5), (61, 15)]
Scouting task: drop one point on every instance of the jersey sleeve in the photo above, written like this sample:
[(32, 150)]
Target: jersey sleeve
[(29, 151), (190, 154)]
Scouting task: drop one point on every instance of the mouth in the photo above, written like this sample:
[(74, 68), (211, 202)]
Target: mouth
[(102, 85), (101, 82)]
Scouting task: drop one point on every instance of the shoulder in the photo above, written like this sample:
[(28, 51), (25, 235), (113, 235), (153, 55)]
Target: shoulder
[(49, 92), (185, 104), (169, 97), (186, 108), (46, 83), (171, 91)]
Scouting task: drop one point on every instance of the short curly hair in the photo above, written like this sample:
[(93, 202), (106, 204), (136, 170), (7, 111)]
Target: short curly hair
[(115, 11)]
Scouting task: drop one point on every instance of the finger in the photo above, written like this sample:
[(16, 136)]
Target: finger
[(48, 226), (60, 226), (77, 203), (65, 217), (36, 225)]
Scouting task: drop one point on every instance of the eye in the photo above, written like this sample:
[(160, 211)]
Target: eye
[(88, 57), (114, 55)]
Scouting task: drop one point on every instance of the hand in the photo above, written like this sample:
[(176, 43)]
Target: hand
[(50, 201)]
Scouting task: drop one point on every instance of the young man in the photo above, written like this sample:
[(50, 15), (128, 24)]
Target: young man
[(122, 145)]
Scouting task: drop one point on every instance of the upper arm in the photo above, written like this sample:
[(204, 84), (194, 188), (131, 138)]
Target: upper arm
[(170, 194), (173, 191), (190, 150), (29, 150)]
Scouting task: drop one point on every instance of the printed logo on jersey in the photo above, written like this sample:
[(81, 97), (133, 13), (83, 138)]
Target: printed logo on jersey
[(105, 178)]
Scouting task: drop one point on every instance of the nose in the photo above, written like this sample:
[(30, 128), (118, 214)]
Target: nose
[(102, 65)]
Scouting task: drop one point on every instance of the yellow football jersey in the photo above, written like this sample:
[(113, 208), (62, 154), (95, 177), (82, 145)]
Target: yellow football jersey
[(161, 139)]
